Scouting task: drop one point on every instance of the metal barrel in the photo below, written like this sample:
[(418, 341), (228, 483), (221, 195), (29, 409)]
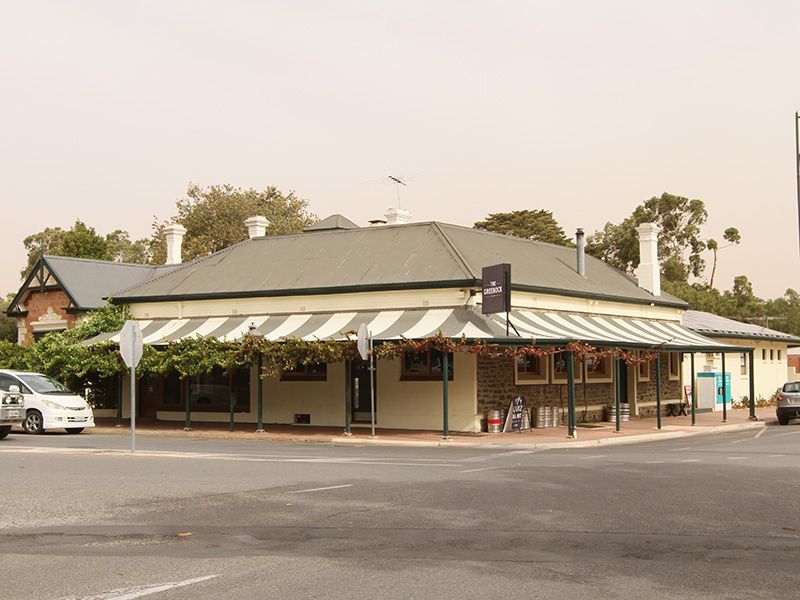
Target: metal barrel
[(611, 414), (624, 412), (541, 417), (555, 416), (494, 421)]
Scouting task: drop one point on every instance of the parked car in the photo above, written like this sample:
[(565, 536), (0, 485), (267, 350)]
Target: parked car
[(788, 402), (12, 410), (48, 403)]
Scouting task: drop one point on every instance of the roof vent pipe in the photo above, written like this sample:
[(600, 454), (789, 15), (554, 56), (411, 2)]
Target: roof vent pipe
[(580, 243), (173, 235), (256, 226)]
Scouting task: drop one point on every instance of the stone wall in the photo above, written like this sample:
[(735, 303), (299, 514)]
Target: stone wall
[(496, 389)]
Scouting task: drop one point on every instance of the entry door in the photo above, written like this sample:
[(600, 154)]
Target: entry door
[(360, 391), (151, 390)]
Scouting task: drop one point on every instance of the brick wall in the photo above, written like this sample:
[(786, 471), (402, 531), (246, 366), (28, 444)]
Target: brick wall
[(646, 390), (37, 304)]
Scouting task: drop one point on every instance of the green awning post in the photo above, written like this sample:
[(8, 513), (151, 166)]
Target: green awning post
[(571, 423), (260, 426), (658, 389), (445, 399), (752, 374), (691, 387), (724, 392), (232, 408), (119, 400), (617, 391), (347, 397), (187, 423)]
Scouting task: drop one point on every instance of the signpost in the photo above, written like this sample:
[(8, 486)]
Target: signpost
[(130, 348), (496, 291), (364, 345)]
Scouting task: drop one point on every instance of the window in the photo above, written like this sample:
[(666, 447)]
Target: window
[(779, 355), (6, 381), (212, 391), (530, 369), (559, 368), (426, 365), (763, 354), (312, 372), (644, 370), (771, 354), (674, 366), (743, 363), (598, 369)]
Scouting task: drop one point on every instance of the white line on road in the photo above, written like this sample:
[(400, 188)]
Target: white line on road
[(679, 449), (480, 469), (776, 456), (747, 439), (654, 462), (760, 433), (594, 456), (738, 457), (691, 460), (139, 591), (787, 433), (322, 489)]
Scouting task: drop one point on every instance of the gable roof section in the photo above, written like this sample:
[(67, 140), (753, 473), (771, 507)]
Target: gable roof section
[(712, 325), (86, 282), (336, 221), (410, 256)]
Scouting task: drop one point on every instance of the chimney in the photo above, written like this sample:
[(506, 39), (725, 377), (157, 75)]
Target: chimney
[(580, 244), (256, 226), (649, 271), (397, 216), (173, 234)]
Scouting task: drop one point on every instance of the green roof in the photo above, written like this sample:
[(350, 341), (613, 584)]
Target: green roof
[(409, 256)]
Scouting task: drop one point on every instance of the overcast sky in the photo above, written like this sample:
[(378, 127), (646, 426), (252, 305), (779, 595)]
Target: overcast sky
[(109, 110)]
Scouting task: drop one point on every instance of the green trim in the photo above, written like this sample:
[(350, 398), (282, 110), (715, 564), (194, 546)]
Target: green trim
[(596, 296)]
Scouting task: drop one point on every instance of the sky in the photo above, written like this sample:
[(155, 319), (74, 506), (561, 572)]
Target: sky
[(110, 109)]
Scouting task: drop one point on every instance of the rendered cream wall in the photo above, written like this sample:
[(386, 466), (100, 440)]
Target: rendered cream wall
[(769, 374), (424, 298)]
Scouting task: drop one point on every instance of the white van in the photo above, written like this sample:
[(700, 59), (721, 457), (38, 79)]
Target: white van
[(48, 404)]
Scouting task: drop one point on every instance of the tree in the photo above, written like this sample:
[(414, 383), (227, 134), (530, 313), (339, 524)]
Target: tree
[(539, 225), (679, 243), (8, 326), (82, 241), (730, 235), (214, 218)]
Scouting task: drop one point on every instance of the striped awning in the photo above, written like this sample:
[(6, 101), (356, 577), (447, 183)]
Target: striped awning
[(544, 327)]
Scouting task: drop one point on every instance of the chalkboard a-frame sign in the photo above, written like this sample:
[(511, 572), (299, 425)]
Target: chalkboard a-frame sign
[(496, 289)]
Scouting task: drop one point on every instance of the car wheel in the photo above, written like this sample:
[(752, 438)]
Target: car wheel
[(33, 423), (74, 429), (783, 419), (4, 431)]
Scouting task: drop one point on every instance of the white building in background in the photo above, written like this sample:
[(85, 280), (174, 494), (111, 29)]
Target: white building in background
[(770, 354)]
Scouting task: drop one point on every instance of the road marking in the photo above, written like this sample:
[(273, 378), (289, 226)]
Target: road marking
[(480, 469), (654, 462), (787, 433), (322, 489), (691, 460), (679, 449), (740, 441), (776, 456), (760, 433), (139, 591), (738, 457), (594, 456)]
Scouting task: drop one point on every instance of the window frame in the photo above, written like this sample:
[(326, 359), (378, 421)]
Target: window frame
[(525, 377), (428, 374), (743, 364), (674, 360), (642, 377), (555, 375)]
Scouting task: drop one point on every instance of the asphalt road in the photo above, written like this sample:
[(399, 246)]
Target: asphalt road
[(705, 517)]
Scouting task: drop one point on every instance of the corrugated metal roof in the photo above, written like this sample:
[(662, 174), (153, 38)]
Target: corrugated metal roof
[(415, 254), (336, 221), (715, 326), (89, 281)]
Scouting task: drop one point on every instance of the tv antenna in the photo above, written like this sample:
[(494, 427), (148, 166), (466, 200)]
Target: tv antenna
[(397, 183)]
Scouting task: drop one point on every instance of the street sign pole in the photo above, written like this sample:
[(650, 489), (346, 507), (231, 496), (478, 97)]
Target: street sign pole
[(130, 348), (371, 384)]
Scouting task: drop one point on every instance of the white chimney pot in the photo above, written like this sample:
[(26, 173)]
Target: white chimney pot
[(397, 216), (173, 235), (649, 270), (256, 226)]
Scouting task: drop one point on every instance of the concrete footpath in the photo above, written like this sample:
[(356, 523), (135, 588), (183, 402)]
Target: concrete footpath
[(588, 435)]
